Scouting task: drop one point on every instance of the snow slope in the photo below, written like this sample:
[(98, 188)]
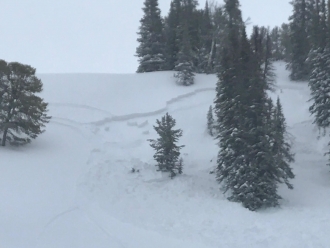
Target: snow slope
[(73, 186)]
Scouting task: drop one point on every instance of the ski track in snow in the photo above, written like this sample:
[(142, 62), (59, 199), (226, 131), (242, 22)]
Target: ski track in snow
[(56, 217), (77, 126), (107, 161)]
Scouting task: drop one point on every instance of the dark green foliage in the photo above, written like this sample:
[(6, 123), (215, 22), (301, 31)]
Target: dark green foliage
[(267, 66), (276, 44), (218, 37), (210, 121), (22, 113), (262, 48), (181, 28), (319, 83), (151, 38), (172, 22), (184, 65), (299, 40), (286, 42), (280, 43), (167, 151), (281, 148), (194, 36), (205, 46), (247, 165)]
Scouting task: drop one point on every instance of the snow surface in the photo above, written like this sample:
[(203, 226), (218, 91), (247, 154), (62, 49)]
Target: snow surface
[(73, 186)]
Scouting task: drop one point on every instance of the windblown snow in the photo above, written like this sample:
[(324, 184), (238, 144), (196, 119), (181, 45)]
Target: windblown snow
[(73, 186)]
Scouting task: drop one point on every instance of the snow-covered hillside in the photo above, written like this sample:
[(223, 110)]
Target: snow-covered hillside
[(73, 186)]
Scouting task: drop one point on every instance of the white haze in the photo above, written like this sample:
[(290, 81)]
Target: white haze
[(67, 36)]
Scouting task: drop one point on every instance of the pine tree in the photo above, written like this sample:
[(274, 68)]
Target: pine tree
[(286, 44), (262, 48), (191, 18), (319, 83), (204, 65), (210, 121), (299, 40), (219, 37), (172, 22), (253, 184), (230, 104), (184, 66), (167, 151), (23, 114), (151, 38), (246, 163), (277, 49), (281, 148), (268, 67)]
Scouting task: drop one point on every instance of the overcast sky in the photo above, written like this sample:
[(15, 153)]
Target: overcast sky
[(67, 36)]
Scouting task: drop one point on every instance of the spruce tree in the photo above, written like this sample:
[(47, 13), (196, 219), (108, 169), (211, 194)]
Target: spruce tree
[(167, 151), (204, 64), (268, 67), (277, 49), (286, 43), (219, 36), (210, 121), (281, 148), (23, 114), (246, 163), (151, 38), (319, 83), (190, 18), (184, 65), (262, 48), (172, 22), (300, 41)]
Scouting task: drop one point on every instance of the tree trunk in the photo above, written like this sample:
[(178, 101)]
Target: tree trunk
[(209, 62), (4, 137)]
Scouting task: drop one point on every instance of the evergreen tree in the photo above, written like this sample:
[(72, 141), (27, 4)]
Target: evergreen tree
[(219, 36), (190, 18), (184, 66), (267, 66), (299, 40), (277, 49), (262, 48), (246, 163), (281, 148), (172, 22), (253, 183), (151, 38), (323, 25), (286, 44), (22, 112), (210, 121), (204, 64), (167, 151), (182, 23), (319, 83)]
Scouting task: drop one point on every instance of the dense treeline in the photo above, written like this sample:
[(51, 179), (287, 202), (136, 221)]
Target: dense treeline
[(254, 155), (189, 40)]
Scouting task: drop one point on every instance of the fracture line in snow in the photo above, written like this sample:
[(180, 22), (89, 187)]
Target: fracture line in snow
[(80, 106), (148, 114)]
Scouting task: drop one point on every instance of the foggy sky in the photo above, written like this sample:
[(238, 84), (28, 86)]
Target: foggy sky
[(93, 36)]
